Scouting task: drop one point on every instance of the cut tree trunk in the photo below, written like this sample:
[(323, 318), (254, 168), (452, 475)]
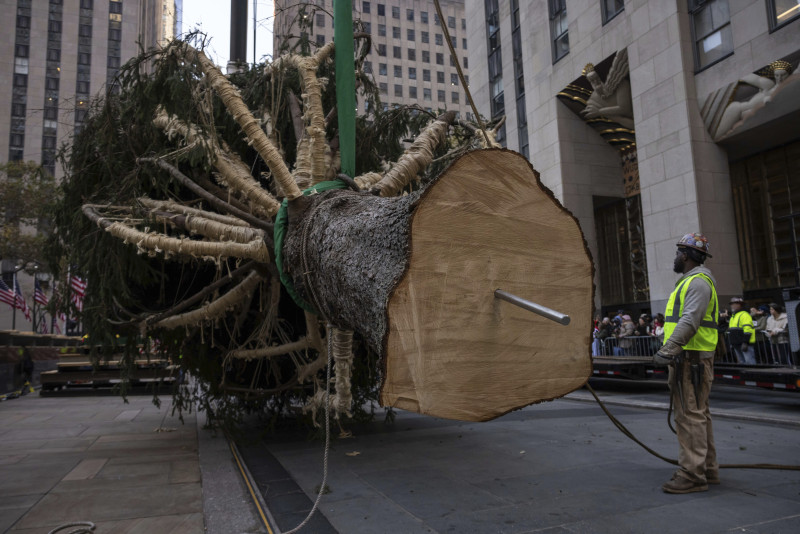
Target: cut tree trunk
[(416, 275)]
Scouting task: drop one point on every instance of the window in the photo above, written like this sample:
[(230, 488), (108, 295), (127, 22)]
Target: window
[(18, 110), (21, 65), (465, 61), (412, 54), (426, 94), (439, 58), (558, 29), (425, 37), (398, 90), (426, 75), (84, 59), (115, 7), (396, 52), (426, 56), (82, 88), (440, 95), (382, 69), (21, 50), (368, 27), (23, 21), (463, 24), (20, 80), (398, 71), (53, 54), (423, 17), (436, 19), (439, 77), (454, 41), (412, 73), (85, 30), (368, 67), (412, 92), (454, 97), (464, 44), (54, 26), (451, 22), (320, 39), (395, 12), (395, 32), (17, 140), (381, 10), (382, 50), (384, 87), (382, 30), (48, 141), (782, 12), (439, 39), (320, 20), (611, 8), (365, 7), (453, 79), (51, 84), (711, 30), (410, 14), (410, 36)]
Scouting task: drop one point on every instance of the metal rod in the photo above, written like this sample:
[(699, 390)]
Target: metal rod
[(544, 311)]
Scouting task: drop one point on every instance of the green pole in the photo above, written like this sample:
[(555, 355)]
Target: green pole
[(345, 83)]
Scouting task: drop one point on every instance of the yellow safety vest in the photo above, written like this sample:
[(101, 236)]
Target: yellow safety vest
[(743, 320), (705, 339)]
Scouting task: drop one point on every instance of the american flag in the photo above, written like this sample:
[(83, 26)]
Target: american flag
[(21, 304), (78, 285), (38, 294), (6, 295), (43, 327)]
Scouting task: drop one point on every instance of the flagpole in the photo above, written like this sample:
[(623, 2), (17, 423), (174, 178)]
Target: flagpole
[(14, 307)]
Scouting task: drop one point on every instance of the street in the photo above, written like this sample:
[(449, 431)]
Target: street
[(559, 466)]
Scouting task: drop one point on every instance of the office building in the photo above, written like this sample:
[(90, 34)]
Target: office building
[(409, 59), (650, 119)]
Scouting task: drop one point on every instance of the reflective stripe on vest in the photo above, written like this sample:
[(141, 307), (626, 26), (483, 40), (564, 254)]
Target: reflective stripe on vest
[(705, 339), (743, 320)]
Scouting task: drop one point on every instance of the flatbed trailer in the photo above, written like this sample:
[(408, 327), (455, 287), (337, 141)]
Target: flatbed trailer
[(644, 368)]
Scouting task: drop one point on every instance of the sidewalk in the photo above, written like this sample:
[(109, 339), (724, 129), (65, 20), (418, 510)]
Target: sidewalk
[(128, 468)]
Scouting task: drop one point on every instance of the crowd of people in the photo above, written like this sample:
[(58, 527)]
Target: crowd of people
[(619, 335), (757, 336)]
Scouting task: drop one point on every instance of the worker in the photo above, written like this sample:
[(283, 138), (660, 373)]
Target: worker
[(741, 332), (690, 339)]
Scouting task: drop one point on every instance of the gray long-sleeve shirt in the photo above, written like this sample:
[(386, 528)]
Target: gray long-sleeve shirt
[(695, 304)]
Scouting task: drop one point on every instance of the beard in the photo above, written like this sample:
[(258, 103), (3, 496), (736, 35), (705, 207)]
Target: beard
[(678, 265)]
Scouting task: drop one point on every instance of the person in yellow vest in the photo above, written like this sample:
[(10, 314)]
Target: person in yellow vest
[(741, 332), (690, 339)]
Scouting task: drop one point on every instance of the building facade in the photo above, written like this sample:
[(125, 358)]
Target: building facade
[(55, 56), (651, 119), (409, 59)]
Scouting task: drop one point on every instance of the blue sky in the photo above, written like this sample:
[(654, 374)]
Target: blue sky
[(213, 17)]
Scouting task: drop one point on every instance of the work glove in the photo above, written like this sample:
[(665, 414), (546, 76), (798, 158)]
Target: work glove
[(668, 353)]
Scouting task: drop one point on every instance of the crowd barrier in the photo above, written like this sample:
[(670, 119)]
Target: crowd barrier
[(763, 351)]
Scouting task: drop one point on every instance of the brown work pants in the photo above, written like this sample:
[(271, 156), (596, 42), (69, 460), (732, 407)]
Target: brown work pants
[(698, 455)]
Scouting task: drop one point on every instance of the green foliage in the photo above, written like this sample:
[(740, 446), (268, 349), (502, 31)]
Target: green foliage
[(102, 169), (27, 196)]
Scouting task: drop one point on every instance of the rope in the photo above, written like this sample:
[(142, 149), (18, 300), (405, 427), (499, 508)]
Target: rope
[(628, 433), (453, 54), (87, 527), (327, 436)]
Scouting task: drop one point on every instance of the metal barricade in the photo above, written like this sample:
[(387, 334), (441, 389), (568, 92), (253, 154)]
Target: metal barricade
[(628, 346), (766, 353)]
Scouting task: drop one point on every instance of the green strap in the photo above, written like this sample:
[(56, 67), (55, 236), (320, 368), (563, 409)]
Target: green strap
[(345, 84), (281, 224)]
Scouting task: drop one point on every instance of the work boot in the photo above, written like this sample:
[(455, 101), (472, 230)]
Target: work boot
[(680, 484), (712, 478)]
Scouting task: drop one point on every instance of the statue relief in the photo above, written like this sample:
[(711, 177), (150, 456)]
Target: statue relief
[(610, 99), (725, 110)]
